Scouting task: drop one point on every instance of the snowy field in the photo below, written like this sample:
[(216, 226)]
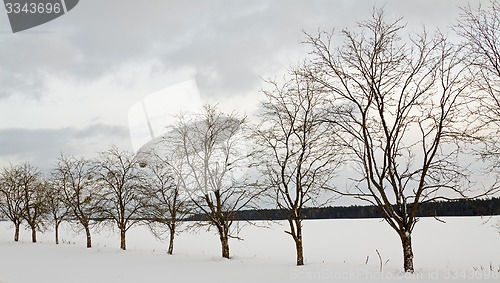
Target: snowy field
[(462, 249)]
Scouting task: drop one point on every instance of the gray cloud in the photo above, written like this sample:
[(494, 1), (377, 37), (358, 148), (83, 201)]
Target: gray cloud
[(43, 146), (229, 43)]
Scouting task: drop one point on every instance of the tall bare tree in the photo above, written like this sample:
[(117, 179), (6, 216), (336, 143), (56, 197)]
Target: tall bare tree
[(480, 29), (211, 148), (75, 180), (299, 156), (121, 182), (11, 197), (400, 106)]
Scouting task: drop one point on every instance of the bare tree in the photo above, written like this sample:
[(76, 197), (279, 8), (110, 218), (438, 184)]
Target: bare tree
[(30, 184), (57, 209), (400, 108), (74, 180), (211, 147), (299, 156), (122, 183), (480, 29), (167, 206), (11, 197)]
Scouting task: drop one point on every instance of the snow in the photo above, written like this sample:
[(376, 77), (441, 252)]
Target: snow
[(463, 249)]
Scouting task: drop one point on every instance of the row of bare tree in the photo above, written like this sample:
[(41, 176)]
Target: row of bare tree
[(405, 113), (409, 114), (84, 192)]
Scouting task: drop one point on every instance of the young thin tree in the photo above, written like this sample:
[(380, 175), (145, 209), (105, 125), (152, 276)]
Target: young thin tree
[(211, 146), (298, 155), (11, 198), (122, 184), (57, 209), (400, 108), (167, 206), (74, 179)]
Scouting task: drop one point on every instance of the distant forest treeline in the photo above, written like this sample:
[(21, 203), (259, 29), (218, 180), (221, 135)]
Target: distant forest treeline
[(479, 207)]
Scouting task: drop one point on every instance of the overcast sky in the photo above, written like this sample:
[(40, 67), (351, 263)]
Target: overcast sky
[(68, 85)]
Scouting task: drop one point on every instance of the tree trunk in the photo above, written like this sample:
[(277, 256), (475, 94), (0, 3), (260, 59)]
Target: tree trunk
[(33, 234), (89, 238), (16, 234), (171, 240), (298, 244), (57, 232), (225, 245), (300, 252), (123, 245), (407, 252), (296, 233)]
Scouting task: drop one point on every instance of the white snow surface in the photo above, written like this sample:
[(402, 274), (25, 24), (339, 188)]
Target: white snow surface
[(465, 249)]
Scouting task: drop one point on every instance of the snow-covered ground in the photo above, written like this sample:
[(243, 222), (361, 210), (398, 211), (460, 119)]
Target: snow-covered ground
[(463, 249)]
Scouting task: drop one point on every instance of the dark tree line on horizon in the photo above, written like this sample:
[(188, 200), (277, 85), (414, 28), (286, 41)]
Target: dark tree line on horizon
[(477, 207)]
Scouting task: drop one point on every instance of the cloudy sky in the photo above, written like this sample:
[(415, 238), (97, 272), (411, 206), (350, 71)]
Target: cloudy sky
[(68, 85)]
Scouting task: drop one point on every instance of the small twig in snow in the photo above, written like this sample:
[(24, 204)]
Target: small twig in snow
[(440, 220), (380, 259)]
